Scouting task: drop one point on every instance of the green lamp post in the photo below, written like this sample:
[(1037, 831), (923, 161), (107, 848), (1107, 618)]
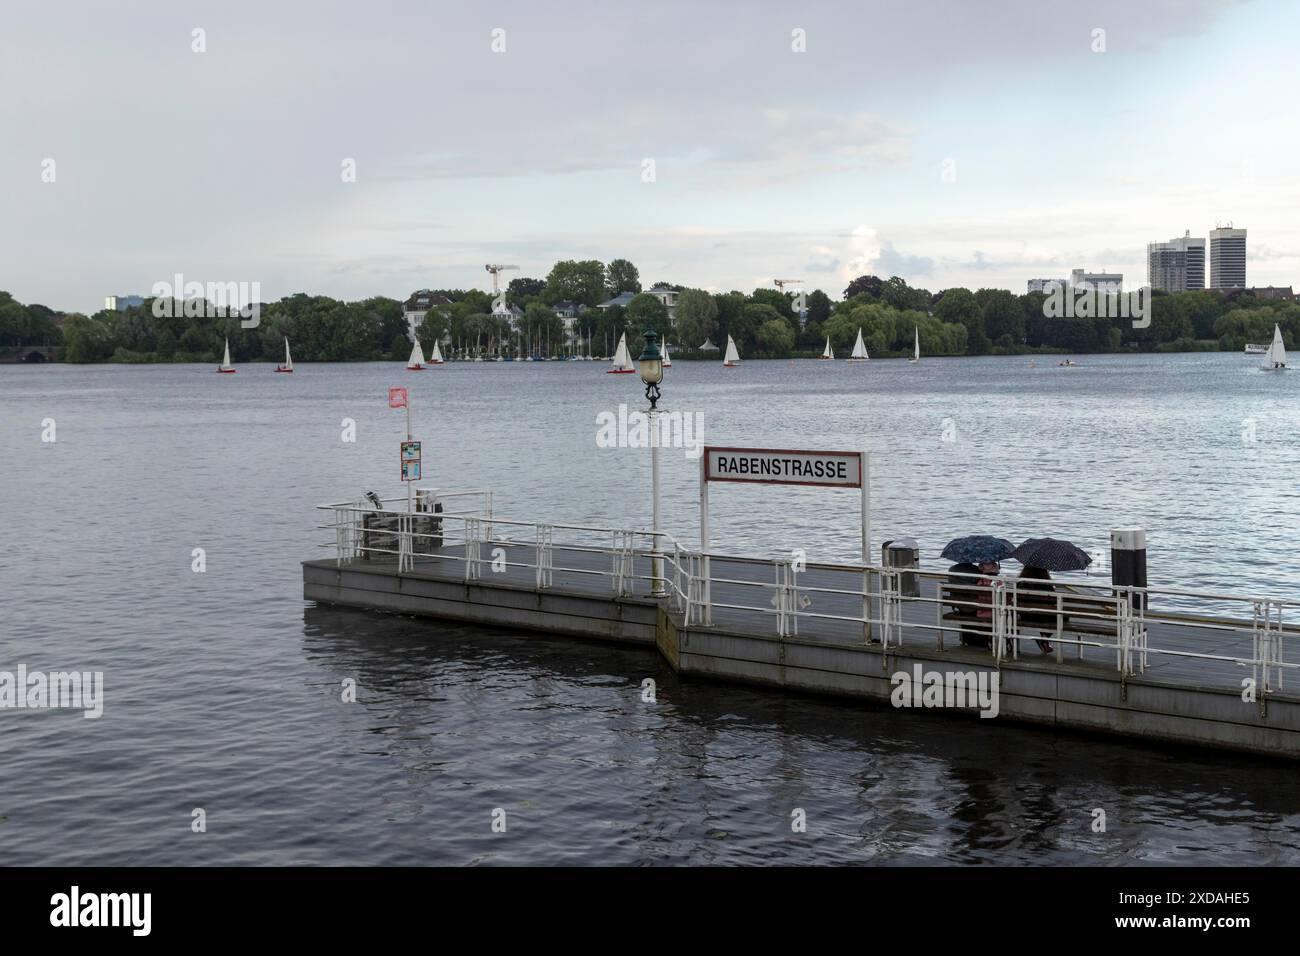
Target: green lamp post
[(651, 366)]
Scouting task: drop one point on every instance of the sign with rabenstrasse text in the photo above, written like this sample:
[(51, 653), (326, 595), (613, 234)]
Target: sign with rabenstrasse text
[(782, 466)]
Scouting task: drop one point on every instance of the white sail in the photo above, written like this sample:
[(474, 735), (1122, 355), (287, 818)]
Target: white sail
[(435, 357), (668, 362), (417, 356), (827, 353), (916, 345), (288, 360), (1276, 352), (732, 357), (225, 362), (622, 363), (859, 348)]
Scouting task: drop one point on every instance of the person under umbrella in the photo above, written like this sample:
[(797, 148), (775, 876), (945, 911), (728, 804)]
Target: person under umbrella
[(977, 549), (1041, 556), (976, 554)]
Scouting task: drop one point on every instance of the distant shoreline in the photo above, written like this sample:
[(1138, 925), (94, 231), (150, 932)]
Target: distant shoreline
[(9, 356)]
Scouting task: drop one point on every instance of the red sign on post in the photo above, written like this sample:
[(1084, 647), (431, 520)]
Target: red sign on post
[(397, 398)]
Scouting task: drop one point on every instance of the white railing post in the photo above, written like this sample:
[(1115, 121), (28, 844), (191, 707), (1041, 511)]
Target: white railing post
[(1003, 621), (545, 557), (787, 600), (1130, 633), (342, 528), (405, 560), (778, 599), (891, 616), (692, 591), (1267, 646), (624, 547), (473, 532), (678, 599), (798, 600)]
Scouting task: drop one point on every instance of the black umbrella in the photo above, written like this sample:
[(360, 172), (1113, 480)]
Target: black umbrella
[(977, 548), (1051, 554)]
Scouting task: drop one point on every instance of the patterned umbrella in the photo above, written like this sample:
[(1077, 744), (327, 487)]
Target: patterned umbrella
[(977, 548), (1051, 554)]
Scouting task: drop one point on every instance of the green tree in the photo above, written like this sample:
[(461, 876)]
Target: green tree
[(960, 305), (730, 305), (646, 312), (575, 281), (522, 288), (1003, 318), (775, 338), (744, 327), (819, 306), (621, 276), (697, 318), (865, 285), (88, 340), (781, 303), (433, 328)]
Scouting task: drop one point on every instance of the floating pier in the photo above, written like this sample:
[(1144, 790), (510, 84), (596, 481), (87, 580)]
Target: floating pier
[(1135, 662)]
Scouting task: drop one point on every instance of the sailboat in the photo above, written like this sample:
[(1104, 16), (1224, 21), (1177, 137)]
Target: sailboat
[(225, 367), (668, 362), (859, 349), (732, 358), (622, 362), (435, 358), (916, 346), (1275, 361), (416, 362), (826, 352), (288, 362)]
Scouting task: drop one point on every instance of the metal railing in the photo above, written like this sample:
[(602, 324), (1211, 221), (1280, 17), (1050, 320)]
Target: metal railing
[(886, 607)]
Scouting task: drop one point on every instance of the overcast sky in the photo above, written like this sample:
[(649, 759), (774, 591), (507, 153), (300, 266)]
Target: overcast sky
[(958, 143)]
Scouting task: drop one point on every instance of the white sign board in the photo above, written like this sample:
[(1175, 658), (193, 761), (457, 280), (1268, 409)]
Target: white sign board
[(781, 466)]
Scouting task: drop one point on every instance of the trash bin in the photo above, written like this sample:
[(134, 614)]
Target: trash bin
[(428, 529), (903, 554), (379, 540)]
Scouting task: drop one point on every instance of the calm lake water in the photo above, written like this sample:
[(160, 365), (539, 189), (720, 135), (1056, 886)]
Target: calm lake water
[(223, 688)]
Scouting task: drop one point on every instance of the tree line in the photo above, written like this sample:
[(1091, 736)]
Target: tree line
[(765, 323)]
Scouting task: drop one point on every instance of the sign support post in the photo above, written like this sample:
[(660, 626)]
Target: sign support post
[(706, 610)]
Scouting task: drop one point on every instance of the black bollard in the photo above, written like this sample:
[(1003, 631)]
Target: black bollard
[(1128, 561)]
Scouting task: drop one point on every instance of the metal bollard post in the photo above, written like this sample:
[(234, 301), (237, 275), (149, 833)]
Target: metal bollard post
[(1128, 561)]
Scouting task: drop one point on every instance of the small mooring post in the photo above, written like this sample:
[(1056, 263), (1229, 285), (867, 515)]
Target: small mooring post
[(1128, 561)]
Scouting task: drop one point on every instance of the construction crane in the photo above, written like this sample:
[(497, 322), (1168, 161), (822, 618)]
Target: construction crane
[(494, 269), (782, 283)]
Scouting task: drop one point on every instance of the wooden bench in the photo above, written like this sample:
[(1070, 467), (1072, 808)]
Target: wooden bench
[(1059, 612)]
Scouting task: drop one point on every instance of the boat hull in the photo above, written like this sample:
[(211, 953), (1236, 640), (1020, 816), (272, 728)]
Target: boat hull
[(619, 371), (226, 371), (288, 371)]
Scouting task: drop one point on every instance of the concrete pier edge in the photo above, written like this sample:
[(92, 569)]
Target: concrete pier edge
[(1031, 691)]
